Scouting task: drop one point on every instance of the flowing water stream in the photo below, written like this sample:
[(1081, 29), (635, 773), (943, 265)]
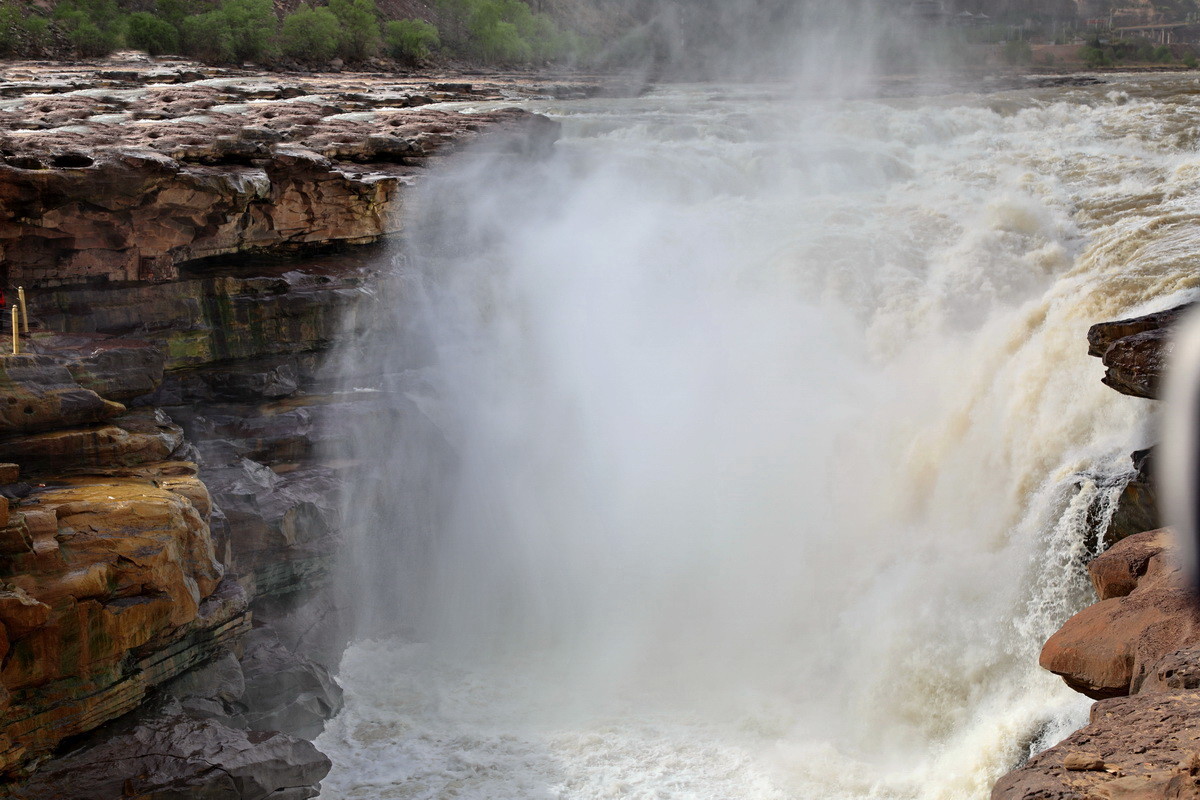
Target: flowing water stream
[(745, 446)]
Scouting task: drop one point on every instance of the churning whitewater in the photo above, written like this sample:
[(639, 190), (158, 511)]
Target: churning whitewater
[(747, 446)]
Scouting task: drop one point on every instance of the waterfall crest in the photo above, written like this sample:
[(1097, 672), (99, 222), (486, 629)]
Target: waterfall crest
[(745, 447)]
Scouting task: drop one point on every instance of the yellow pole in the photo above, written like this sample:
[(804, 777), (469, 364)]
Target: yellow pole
[(24, 313), (16, 335)]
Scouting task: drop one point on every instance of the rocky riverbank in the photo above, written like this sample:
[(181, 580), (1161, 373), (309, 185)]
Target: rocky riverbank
[(1137, 650), (169, 486)]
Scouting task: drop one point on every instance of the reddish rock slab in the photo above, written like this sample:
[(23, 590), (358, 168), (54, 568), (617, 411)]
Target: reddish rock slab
[(1142, 557), (1107, 649), (1147, 745)]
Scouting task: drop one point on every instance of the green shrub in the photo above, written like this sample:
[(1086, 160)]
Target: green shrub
[(93, 27), (311, 34), (1094, 56), (501, 42), (207, 37), (156, 36), (252, 25), (91, 41), (1162, 54), (359, 21), (505, 31), (1190, 61), (176, 11), (410, 39), (21, 33), (1018, 52)]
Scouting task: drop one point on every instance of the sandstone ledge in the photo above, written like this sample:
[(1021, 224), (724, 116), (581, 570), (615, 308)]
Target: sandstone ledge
[(126, 182)]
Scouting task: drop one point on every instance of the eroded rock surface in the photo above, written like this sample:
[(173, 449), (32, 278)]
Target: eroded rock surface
[(173, 757), (1145, 612), (1142, 747), (1135, 350), (128, 181)]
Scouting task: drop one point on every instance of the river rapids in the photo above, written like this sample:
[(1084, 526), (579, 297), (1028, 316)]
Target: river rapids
[(747, 445)]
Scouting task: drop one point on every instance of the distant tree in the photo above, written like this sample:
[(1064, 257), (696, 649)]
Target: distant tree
[(501, 42), (359, 20), (93, 27), (252, 25), (208, 37), (310, 34), (92, 41), (410, 39), (176, 11), (156, 36), (21, 32), (1094, 56), (1017, 52)]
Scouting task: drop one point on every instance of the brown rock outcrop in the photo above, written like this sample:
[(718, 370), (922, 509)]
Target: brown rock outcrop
[(1135, 350), (117, 591), (1145, 613), (126, 185), (1142, 639), (1148, 745)]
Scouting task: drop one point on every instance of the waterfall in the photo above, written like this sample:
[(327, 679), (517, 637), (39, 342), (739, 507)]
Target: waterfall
[(746, 447)]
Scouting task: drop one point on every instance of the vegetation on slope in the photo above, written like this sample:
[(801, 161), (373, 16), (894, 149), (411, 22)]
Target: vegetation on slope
[(503, 32)]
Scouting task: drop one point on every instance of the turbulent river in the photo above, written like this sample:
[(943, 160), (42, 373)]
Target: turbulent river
[(746, 446)]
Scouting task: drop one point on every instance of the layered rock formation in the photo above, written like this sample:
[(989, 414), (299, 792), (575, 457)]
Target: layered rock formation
[(1137, 650), (171, 524), (126, 182)]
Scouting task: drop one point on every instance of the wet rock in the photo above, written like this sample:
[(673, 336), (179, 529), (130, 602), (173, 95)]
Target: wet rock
[(273, 312), (1137, 507), (285, 691), (38, 392), (113, 588), (1102, 335), (99, 681), (1108, 649), (178, 757), (214, 689), (112, 367), (1135, 350), (142, 436), (212, 170), (1147, 744), (282, 525)]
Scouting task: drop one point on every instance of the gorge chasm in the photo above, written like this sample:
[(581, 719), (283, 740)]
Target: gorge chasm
[(207, 255)]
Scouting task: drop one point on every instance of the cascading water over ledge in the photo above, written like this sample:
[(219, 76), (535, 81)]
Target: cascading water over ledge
[(734, 450)]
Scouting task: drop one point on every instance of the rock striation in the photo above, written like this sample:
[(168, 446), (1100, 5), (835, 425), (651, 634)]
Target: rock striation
[(168, 501), (128, 181)]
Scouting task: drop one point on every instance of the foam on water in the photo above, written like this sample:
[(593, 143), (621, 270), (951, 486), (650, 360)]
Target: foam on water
[(774, 444)]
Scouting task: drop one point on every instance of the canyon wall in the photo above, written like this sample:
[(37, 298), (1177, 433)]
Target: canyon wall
[(169, 520)]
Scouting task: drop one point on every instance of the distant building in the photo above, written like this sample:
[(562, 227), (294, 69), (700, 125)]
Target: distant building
[(1175, 33), (929, 11), (966, 19)]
